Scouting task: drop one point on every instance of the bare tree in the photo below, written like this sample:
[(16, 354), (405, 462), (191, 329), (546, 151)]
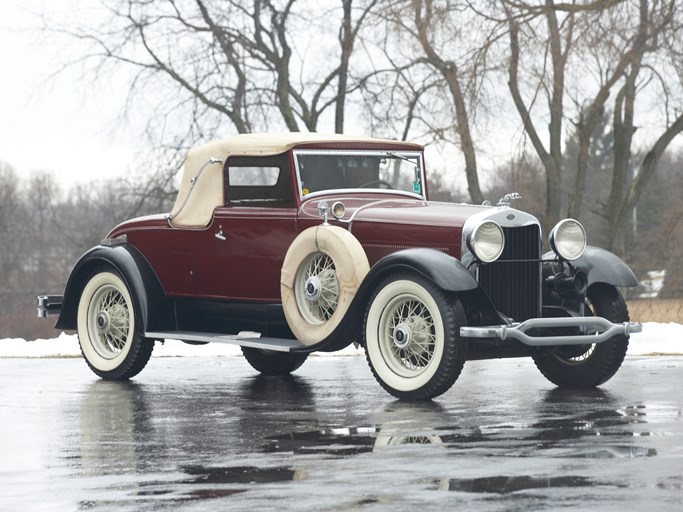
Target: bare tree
[(434, 46), (660, 29), (425, 18), (557, 46), (610, 52), (425, 69), (11, 212), (250, 63)]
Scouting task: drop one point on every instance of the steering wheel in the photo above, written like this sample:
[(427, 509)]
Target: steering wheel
[(383, 183)]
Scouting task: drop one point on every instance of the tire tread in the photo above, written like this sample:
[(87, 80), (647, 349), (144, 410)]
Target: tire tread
[(607, 357), (274, 363)]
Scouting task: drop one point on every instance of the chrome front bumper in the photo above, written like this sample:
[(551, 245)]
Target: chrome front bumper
[(49, 305), (596, 329)]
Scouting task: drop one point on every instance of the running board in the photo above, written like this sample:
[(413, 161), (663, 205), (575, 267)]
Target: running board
[(243, 339)]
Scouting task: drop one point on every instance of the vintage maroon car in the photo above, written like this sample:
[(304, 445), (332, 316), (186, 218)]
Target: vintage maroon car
[(294, 243)]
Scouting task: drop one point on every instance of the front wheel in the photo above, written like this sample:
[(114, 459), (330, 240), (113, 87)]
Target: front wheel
[(109, 328), (269, 362), (412, 340), (588, 366)]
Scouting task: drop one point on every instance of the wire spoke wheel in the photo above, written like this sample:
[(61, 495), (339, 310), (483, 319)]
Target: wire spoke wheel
[(109, 321), (408, 343), (317, 288), (412, 339), (109, 330), (577, 359)]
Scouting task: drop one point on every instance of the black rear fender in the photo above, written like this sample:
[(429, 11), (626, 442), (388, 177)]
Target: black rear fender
[(150, 300)]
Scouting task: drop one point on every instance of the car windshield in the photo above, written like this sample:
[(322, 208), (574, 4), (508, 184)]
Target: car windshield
[(320, 171)]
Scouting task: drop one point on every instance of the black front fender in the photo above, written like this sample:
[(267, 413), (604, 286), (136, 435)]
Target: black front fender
[(446, 271), (155, 308), (602, 266)]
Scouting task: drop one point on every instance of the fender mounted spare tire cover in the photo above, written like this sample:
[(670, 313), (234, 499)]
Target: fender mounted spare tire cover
[(346, 271)]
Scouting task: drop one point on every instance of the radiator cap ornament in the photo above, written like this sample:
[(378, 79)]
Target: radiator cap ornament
[(508, 198)]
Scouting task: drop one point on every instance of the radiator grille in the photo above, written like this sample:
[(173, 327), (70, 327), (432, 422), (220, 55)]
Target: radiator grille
[(513, 285)]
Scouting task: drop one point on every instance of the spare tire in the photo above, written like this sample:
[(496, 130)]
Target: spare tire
[(320, 276)]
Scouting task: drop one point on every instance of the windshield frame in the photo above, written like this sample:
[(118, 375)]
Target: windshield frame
[(388, 153)]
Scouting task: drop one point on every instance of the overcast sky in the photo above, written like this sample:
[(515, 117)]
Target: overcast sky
[(60, 124), (74, 128)]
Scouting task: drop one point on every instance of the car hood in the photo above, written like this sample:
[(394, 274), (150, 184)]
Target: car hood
[(391, 210), (424, 213)]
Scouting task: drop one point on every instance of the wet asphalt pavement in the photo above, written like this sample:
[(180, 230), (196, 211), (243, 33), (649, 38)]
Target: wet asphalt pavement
[(208, 434)]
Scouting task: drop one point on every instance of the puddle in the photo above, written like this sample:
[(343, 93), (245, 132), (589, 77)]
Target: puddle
[(511, 484), (238, 475), (613, 452), (331, 441), (575, 438), (204, 483)]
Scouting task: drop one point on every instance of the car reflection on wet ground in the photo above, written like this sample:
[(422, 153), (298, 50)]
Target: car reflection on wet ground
[(207, 434)]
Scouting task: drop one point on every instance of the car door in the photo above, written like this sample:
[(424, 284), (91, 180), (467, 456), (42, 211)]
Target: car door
[(252, 233)]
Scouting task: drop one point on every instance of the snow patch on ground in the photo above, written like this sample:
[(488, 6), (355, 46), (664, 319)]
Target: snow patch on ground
[(656, 339)]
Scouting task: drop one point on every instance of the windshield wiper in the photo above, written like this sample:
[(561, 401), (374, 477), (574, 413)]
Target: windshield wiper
[(401, 157)]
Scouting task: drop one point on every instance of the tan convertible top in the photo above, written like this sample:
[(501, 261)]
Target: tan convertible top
[(201, 187)]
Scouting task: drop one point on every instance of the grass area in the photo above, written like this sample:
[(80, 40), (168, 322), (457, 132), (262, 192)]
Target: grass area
[(656, 310)]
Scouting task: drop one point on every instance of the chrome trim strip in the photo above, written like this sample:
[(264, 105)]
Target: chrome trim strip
[(340, 191), (193, 181), (365, 207), (111, 242), (605, 331), (252, 340)]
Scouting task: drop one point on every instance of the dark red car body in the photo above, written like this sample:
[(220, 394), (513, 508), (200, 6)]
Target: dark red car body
[(193, 263), (221, 264)]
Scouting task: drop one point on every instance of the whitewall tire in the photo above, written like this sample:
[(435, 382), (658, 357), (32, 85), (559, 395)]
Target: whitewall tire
[(412, 341), (109, 329)]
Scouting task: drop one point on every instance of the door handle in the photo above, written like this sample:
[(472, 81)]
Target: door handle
[(220, 235)]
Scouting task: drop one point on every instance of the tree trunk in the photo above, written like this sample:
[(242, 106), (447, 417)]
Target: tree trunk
[(645, 172), (449, 71), (346, 37)]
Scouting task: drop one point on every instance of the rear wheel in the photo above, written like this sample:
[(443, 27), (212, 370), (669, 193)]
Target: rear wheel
[(588, 366), (270, 362), (110, 331), (412, 340)]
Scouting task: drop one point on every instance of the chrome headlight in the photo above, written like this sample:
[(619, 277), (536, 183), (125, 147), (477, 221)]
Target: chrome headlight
[(568, 239), (486, 241)]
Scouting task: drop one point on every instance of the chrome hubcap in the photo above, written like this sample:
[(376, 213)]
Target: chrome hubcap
[(103, 322), (312, 288), (401, 336)]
